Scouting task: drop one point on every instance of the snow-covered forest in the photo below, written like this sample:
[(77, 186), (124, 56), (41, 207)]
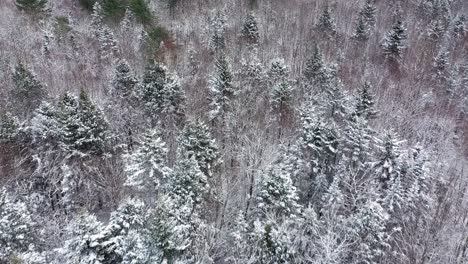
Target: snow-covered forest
[(233, 131)]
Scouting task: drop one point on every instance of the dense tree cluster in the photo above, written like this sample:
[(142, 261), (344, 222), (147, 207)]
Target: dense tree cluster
[(268, 133)]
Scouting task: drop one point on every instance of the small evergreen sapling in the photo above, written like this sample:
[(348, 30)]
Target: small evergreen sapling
[(28, 90), (326, 23), (250, 29)]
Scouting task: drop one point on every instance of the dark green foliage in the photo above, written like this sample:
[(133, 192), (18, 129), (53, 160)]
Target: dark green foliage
[(62, 26), (28, 90), (314, 65), (31, 5), (9, 128), (141, 11), (87, 4), (326, 23), (394, 43), (365, 103), (157, 35), (113, 9), (196, 141), (250, 29), (83, 126)]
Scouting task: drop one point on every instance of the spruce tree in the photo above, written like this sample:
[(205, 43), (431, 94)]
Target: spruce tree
[(271, 243), (394, 42), (362, 30), (147, 166), (160, 91), (357, 143), (221, 89), (250, 29), (31, 5), (326, 23), (196, 141), (124, 80), (441, 65), (93, 131), (281, 97), (44, 125), (367, 13), (278, 71), (68, 118), (218, 31), (314, 66), (9, 128), (388, 164), (276, 193), (28, 90), (17, 227), (459, 25), (365, 103), (436, 29), (369, 233)]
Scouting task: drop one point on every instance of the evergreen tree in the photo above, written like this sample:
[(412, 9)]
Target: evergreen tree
[(28, 90), (459, 25), (276, 192), (388, 164), (441, 65), (369, 233), (365, 103), (17, 227), (93, 132), (196, 141), (357, 143), (252, 70), (44, 125), (367, 13), (281, 97), (188, 181), (31, 5), (160, 91), (221, 89), (278, 71), (271, 243), (218, 31), (124, 80), (394, 42), (326, 23), (314, 65), (141, 10), (436, 29), (362, 30), (9, 128), (68, 118), (250, 29), (146, 166)]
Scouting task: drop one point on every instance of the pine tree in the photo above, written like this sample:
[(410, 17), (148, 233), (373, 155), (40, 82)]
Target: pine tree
[(17, 227), (271, 243), (459, 25), (278, 71), (93, 132), (68, 118), (314, 65), (369, 233), (365, 103), (44, 125), (436, 29), (326, 23), (31, 5), (394, 42), (9, 128), (357, 143), (362, 30), (281, 97), (196, 141), (441, 65), (388, 164), (146, 166), (276, 193), (252, 70), (218, 31), (109, 46), (160, 91), (28, 90), (124, 80), (188, 181), (368, 12), (250, 29), (221, 89)]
